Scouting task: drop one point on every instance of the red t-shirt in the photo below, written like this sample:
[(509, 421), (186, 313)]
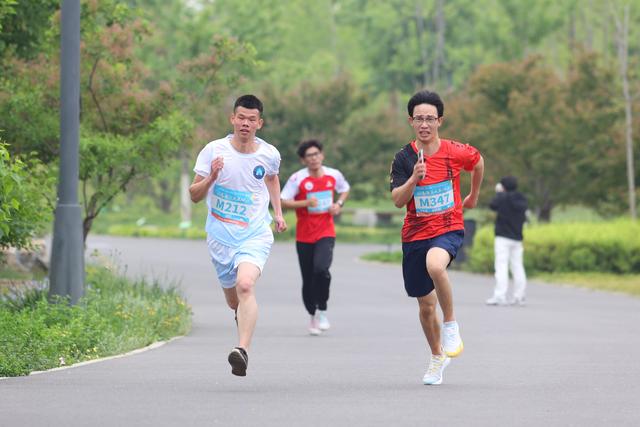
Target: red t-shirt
[(314, 223), (436, 205)]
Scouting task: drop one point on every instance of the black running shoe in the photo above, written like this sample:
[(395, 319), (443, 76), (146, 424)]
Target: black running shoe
[(239, 361)]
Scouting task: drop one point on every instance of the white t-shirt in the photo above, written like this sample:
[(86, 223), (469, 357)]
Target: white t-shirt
[(296, 183), (238, 201)]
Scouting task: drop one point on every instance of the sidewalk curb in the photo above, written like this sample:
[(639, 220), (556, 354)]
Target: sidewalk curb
[(152, 346)]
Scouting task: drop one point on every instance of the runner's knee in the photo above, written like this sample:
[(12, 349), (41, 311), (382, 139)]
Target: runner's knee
[(427, 306), (244, 286), (436, 269)]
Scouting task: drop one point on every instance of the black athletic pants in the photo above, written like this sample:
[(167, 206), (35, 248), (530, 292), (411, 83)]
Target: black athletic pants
[(315, 260)]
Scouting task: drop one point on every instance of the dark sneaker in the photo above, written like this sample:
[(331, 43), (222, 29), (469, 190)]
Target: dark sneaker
[(239, 361)]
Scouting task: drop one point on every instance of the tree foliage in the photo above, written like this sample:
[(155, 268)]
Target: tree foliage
[(530, 84), (23, 25), (552, 132), (24, 208)]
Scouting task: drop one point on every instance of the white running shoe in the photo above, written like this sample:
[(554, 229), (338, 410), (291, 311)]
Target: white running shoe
[(323, 321), (496, 301), (518, 301), (313, 326), (435, 370), (451, 341)]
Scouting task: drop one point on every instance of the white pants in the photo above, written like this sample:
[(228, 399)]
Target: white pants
[(508, 254)]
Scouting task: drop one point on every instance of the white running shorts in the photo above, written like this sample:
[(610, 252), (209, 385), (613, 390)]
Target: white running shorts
[(226, 258)]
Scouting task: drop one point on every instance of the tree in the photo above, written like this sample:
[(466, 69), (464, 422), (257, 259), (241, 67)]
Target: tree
[(184, 51), (553, 133), (310, 110), (23, 25), (622, 45), (109, 163), (359, 137), (24, 208)]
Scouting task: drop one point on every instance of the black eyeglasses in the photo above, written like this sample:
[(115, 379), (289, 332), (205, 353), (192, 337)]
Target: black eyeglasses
[(314, 154), (418, 120)]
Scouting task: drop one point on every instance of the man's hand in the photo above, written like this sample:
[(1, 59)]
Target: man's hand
[(216, 166), (281, 225), (419, 171), (470, 202), (335, 209), (312, 202)]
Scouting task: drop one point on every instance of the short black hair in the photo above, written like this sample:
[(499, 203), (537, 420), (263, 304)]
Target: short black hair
[(250, 102), (426, 97), (305, 145), (510, 183)]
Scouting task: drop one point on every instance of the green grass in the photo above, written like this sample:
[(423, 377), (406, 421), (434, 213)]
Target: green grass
[(392, 257), (624, 283), (114, 317)]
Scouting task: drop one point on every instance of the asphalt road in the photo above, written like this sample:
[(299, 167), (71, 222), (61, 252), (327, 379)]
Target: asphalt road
[(570, 357)]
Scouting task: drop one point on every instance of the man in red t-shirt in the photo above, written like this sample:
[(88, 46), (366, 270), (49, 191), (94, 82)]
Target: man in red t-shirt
[(425, 177), (310, 192)]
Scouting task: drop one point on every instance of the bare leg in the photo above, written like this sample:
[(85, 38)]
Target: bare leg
[(437, 261), (247, 306), (231, 296), (429, 321)]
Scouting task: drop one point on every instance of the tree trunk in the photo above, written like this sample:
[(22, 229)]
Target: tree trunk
[(87, 222), (622, 44), (438, 64), (164, 198), (185, 197), (424, 57), (544, 214)]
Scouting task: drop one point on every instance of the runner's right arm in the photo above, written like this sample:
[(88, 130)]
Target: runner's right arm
[(296, 204), (402, 193), (201, 184), (290, 191)]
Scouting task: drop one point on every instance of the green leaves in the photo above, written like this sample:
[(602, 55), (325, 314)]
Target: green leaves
[(109, 163), (23, 206), (553, 132)]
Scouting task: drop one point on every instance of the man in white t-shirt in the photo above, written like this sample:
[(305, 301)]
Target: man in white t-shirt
[(238, 175)]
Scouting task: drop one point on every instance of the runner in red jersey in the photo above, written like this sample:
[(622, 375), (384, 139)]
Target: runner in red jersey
[(310, 191), (425, 177), (443, 166)]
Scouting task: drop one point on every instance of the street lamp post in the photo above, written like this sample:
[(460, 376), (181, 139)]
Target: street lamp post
[(67, 252)]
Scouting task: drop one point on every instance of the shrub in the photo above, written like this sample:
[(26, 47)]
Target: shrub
[(612, 247), (115, 316)]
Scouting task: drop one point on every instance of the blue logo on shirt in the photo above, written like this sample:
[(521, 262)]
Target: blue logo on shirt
[(258, 172)]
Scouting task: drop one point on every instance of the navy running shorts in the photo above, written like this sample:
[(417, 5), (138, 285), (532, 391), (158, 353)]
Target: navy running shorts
[(417, 281)]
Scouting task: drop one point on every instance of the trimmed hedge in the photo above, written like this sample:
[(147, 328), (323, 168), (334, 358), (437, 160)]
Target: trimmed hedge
[(345, 233), (612, 247)]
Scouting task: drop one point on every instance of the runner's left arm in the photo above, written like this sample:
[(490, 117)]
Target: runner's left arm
[(273, 185), (477, 173)]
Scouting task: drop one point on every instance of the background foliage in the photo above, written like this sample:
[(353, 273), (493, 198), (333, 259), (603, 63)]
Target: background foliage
[(23, 205), (556, 248), (535, 86)]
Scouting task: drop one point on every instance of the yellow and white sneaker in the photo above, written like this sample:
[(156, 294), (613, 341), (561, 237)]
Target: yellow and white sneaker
[(451, 341), (435, 370)]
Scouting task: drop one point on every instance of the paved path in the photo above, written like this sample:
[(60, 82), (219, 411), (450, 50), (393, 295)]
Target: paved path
[(569, 358)]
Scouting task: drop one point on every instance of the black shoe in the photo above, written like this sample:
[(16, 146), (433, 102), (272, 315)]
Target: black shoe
[(239, 360)]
